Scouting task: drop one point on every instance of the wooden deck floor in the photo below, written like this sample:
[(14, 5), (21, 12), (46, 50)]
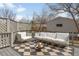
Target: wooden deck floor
[(8, 52)]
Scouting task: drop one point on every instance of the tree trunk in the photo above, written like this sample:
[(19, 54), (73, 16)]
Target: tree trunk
[(75, 22), (76, 27)]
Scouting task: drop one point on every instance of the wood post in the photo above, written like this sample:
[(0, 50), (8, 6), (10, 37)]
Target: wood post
[(12, 38)]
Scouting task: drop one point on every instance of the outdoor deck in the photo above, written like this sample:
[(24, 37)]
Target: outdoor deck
[(11, 52), (28, 49)]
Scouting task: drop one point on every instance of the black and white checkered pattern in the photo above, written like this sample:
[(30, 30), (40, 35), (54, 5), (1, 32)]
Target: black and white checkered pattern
[(26, 49)]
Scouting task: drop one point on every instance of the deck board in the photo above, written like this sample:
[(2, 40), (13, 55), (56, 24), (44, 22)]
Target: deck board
[(76, 51), (8, 52)]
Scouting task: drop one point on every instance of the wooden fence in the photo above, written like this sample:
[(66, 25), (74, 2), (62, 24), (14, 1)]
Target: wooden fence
[(8, 30), (5, 39)]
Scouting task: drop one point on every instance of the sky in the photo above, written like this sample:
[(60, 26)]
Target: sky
[(24, 9)]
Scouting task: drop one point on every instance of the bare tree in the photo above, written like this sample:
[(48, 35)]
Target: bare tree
[(25, 20), (42, 18), (37, 20), (69, 8), (6, 12)]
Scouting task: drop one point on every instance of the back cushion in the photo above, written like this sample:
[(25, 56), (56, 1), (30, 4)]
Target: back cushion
[(46, 34), (23, 34), (63, 36), (52, 35), (36, 34), (43, 34)]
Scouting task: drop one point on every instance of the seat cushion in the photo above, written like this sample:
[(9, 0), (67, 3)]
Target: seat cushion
[(23, 35)]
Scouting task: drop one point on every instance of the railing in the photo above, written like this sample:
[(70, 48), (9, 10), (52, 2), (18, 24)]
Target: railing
[(5, 39)]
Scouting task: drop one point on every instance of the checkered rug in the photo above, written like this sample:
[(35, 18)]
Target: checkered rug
[(28, 49)]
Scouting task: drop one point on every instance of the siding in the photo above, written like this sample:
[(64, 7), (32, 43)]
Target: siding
[(68, 25)]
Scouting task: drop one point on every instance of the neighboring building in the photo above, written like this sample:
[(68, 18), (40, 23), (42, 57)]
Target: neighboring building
[(61, 24)]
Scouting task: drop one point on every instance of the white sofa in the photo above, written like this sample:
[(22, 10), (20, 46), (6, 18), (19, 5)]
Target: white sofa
[(22, 36), (60, 39)]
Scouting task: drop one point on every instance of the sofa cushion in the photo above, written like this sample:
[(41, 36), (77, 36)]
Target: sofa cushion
[(23, 35), (62, 36), (57, 38)]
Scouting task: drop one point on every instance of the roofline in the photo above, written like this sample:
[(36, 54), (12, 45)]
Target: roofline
[(59, 17)]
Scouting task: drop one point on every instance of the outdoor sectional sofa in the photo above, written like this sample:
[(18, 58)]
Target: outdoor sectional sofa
[(60, 39), (22, 36)]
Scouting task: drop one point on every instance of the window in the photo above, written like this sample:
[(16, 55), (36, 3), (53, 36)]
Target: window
[(59, 25)]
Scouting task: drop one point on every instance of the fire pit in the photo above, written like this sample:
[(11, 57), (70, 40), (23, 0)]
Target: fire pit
[(39, 46)]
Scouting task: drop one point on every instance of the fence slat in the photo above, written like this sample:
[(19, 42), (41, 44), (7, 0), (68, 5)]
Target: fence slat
[(4, 39)]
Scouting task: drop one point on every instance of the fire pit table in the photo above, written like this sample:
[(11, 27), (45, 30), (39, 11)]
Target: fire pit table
[(39, 46)]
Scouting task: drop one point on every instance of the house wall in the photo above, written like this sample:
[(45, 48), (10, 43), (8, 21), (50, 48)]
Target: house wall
[(68, 25)]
